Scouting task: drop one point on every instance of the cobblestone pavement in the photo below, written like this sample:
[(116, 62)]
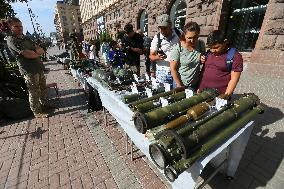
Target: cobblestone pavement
[(73, 149), (70, 149)]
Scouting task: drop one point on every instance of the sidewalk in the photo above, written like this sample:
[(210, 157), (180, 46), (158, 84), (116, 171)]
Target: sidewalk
[(262, 165), (70, 149)]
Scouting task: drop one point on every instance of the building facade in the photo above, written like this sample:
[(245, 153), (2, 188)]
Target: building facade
[(67, 19), (97, 16), (253, 26), (88, 20)]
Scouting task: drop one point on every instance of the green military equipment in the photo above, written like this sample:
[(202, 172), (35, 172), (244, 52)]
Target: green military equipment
[(134, 97), (109, 80), (174, 145), (101, 76), (130, 98), (193, 113), (212, 142), (147, 106), (134, 105), (155, 133), (145, 121)]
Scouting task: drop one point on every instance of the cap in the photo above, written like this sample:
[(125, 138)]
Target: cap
[(164, 20)]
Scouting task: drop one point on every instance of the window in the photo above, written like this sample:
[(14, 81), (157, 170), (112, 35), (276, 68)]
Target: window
[(244, 22), (64, 18), (143, 22), (178, 13)]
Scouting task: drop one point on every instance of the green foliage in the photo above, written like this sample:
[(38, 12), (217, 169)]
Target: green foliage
[(6, 8), (105, 37)]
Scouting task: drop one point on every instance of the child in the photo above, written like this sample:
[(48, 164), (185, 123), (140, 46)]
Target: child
[(223, 65), (185, 57), (116, 57)]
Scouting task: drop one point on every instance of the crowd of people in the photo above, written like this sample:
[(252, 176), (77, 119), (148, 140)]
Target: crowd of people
[(178, 57), (173, 56)]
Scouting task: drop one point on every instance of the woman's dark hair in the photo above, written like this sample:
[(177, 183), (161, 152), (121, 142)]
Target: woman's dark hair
[(215, 37), (191, 27), (112, 44)]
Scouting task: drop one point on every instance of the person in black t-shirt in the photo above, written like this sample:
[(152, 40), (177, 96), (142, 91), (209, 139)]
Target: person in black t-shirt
[(146, 51), (134, 45)]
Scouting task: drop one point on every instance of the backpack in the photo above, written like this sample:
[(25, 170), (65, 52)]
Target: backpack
[(94, 100), (230, 57), (160, 40)]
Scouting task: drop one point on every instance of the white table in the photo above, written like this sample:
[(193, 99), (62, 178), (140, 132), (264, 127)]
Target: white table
[(231, 150), (79, 77)]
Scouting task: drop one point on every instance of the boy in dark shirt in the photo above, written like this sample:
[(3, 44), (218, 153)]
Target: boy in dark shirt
[(217, 74)]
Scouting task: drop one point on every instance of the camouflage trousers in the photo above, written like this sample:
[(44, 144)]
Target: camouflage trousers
[(37, 89)]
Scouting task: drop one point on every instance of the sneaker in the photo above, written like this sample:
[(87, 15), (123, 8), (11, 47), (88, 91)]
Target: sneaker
[(41, 115)]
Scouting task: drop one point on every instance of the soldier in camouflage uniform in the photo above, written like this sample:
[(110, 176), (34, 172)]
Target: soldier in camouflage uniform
[(28, 59), (75, 47)]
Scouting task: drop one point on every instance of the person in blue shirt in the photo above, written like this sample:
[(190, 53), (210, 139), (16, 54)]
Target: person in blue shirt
[(116, 56)]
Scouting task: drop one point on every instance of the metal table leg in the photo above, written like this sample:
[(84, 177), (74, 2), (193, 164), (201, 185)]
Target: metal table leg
[(202, 184), (126, 143), (105, 115), (131, 152)]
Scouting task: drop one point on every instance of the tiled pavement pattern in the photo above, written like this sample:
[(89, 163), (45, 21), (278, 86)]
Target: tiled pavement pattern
[(262, 165), (62, 152)]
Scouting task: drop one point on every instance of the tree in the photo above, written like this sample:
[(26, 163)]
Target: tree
[(6, 8)]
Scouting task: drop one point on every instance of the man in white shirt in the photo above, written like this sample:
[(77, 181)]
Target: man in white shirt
[(161, 47)]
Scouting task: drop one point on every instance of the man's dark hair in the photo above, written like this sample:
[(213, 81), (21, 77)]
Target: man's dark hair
[(12, 20), (215, 37), (128, 28), (191, 27)]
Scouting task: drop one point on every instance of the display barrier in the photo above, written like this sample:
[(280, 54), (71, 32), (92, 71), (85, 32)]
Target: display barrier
[(230, 151)]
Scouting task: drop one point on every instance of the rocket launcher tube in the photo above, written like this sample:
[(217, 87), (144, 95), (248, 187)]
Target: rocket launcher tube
[(193, 113), (240, 106), (145, 107), (183, 142), (159, 116), (130, 98), (175, 170), (154, 97)]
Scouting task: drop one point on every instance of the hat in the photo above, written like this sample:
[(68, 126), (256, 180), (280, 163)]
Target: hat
[(164, 20)]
